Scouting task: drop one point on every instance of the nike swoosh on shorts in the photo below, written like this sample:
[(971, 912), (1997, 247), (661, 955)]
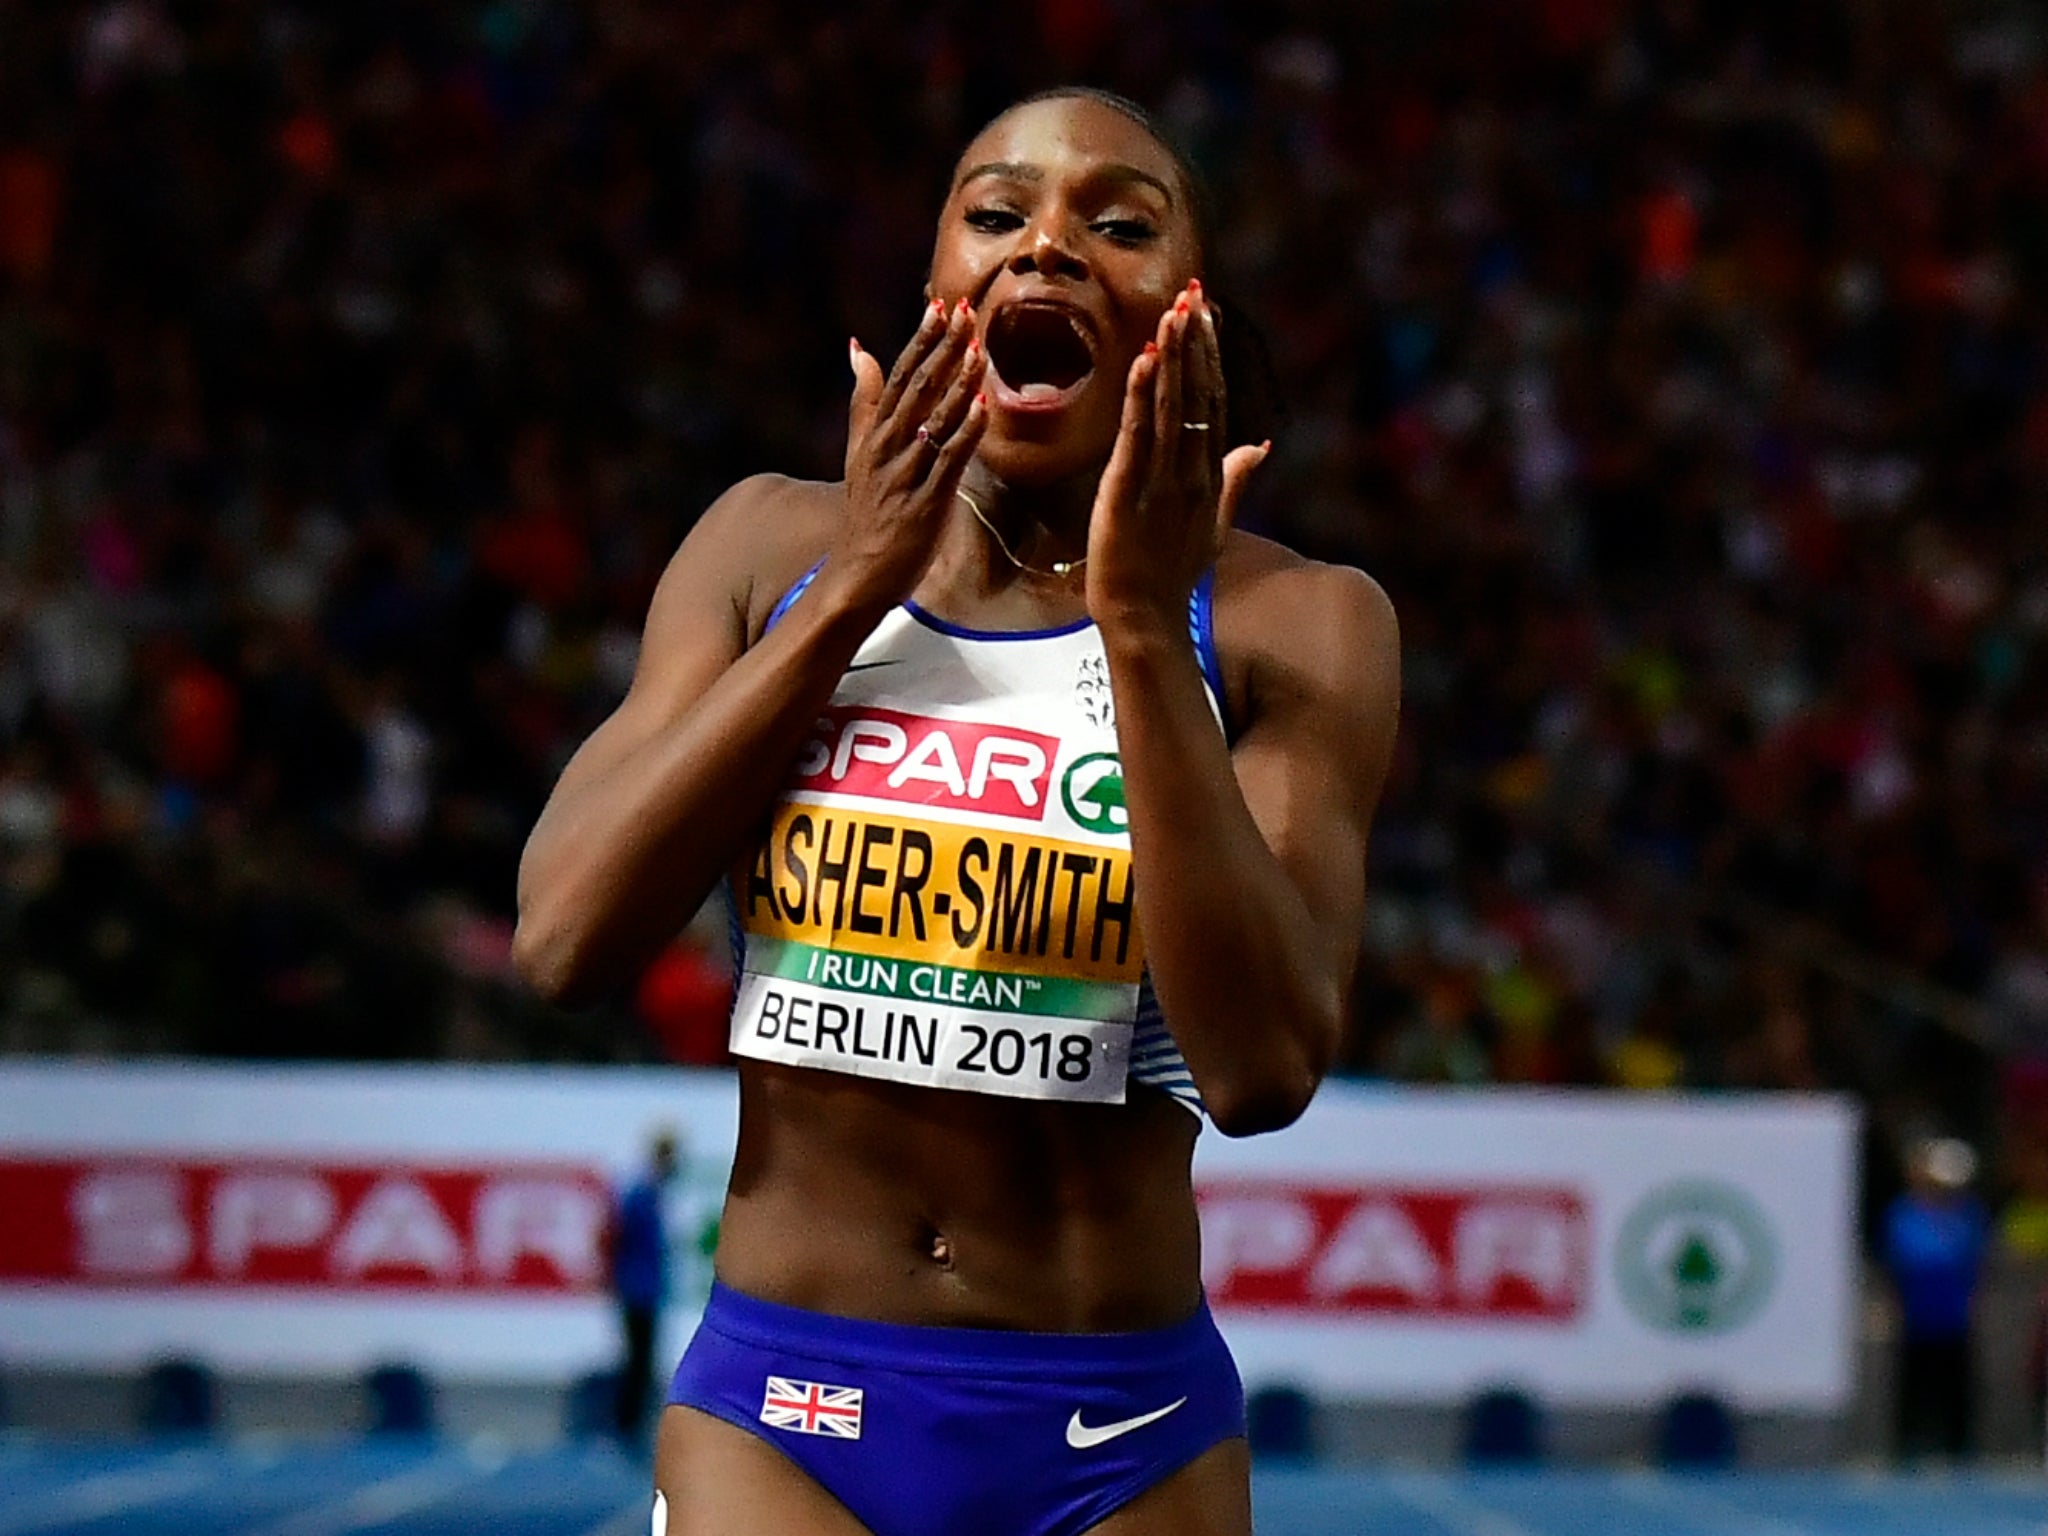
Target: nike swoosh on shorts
[(1082, 1437)]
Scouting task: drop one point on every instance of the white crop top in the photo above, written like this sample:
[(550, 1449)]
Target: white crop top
[(944, 892)]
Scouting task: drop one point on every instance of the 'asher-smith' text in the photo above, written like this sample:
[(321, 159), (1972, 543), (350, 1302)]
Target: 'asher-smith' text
[(820, 874)]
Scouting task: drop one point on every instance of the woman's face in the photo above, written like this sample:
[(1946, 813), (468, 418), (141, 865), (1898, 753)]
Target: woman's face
[(1069, 231)]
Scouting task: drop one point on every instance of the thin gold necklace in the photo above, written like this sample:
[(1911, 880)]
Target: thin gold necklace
[(1060, 568)]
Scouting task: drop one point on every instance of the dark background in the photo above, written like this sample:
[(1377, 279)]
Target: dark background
[(1678, 367)]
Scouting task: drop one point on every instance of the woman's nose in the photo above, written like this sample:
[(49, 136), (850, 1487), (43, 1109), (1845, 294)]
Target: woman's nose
[(1047, 247)]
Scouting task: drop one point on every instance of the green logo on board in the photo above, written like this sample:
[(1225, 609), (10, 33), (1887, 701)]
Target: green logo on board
[(1696, 1257), (1093, 791)]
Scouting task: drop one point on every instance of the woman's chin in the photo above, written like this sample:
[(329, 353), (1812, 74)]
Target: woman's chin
[(1034, 464), (1041, 450)]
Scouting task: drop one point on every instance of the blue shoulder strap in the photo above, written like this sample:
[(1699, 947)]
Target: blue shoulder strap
[(783, 603), (1202, 626)]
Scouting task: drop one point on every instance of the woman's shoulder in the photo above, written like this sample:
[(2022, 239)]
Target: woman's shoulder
[(1311, 661), (1275, 609), (764, 533), (1258, 570)]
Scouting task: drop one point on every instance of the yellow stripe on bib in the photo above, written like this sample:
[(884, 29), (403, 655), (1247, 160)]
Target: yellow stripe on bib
[(970, 897)]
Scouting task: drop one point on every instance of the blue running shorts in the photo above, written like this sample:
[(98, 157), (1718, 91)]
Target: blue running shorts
[(938, 1431)]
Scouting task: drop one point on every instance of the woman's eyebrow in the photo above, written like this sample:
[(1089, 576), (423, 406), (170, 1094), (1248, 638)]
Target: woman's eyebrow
[(1130, 173), (1017, 170), (1005, 170)]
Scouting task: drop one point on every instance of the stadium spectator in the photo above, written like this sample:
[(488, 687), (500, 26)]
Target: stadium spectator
[(640, 1283), (1935, 1238)]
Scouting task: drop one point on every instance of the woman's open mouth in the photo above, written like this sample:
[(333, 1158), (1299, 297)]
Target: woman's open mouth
[(1040, 356)]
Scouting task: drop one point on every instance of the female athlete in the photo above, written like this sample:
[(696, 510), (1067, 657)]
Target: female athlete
[(1044, 797)]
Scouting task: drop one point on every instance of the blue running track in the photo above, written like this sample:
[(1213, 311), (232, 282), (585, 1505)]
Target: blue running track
[(426, 1488)]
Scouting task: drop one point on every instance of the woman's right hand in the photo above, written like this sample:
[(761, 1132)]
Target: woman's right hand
[(909, 439)]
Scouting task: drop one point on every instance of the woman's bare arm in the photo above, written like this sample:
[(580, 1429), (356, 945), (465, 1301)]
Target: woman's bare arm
[(1249, 861), (653, 807), (1250, 858)]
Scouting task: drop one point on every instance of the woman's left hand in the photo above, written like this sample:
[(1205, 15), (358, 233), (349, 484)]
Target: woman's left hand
[(1170, 492)]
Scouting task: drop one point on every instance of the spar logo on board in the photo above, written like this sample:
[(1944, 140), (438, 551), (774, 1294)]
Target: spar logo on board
[(1507, 1252), (167, 1221), (886, 754)]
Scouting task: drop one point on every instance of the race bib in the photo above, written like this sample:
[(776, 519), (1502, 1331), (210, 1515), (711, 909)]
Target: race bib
[(945, 955)]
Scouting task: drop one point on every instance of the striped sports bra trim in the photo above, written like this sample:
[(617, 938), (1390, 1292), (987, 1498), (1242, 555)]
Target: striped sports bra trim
[(1201, 625)]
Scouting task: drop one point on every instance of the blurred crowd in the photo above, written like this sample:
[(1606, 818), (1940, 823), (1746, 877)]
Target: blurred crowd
[(1680, 368)]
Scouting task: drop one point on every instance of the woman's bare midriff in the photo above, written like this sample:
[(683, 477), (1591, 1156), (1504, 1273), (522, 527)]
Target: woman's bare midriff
[(915, 1205)]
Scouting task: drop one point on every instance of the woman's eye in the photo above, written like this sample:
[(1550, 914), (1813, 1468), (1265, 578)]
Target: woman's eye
[(1124, 231), (994, 221)]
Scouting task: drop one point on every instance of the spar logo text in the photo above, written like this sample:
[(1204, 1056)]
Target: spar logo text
[(173, 1221), (1499, 1252), (886, 754)]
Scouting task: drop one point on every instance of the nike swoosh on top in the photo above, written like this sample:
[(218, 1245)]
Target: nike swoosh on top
[(863, 666), (1081, 1437)]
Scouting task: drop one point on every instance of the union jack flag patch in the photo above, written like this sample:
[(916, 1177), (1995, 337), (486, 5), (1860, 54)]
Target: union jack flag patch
[(812, 1408)]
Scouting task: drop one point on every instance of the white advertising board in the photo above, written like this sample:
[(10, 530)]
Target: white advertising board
[(1593, 1248), (1395, 1244), (313, 1219)]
